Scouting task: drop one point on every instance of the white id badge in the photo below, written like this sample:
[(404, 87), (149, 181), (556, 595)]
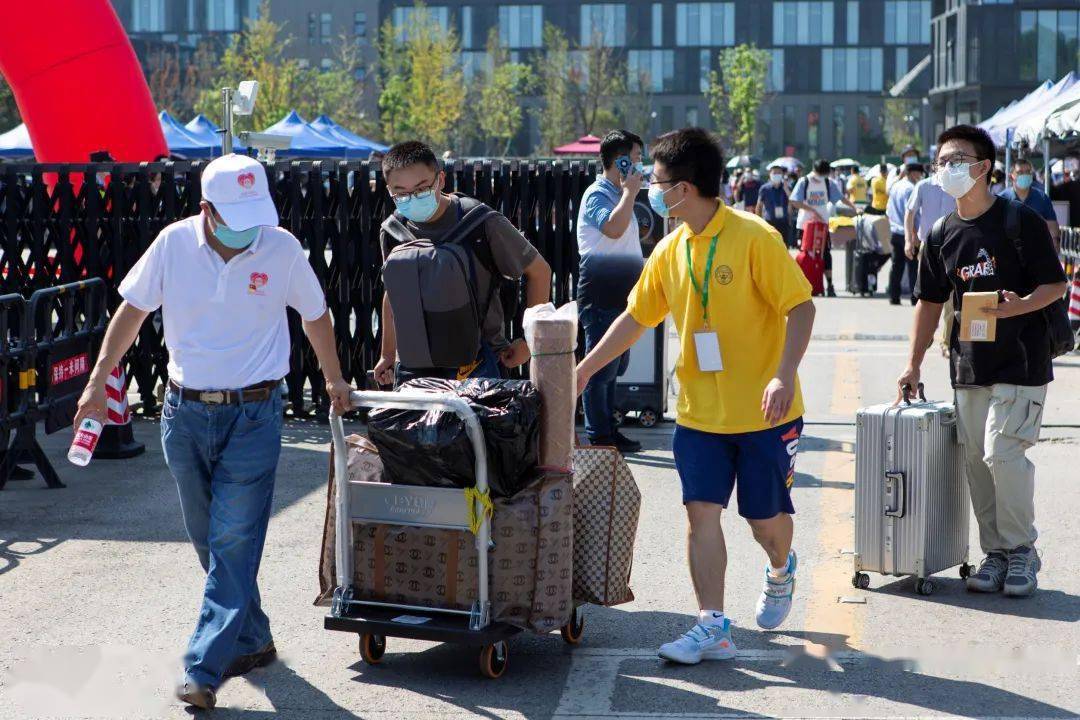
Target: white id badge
[(778, 212), (707, 344)]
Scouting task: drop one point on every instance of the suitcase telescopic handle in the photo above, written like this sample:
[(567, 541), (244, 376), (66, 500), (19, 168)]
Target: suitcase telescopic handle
[(905, 390)]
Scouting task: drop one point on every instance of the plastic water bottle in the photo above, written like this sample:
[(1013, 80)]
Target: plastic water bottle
[(86, 439)]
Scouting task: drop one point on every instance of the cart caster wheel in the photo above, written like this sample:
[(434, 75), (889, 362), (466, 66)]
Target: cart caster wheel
[(965, 571), (860, 580), (372, 648), (493, 659), (617, 417), (647, 418), (924, 587), (573, 630)]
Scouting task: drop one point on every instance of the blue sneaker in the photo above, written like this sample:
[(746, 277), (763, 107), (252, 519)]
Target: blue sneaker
[(702, 642), (775, 602)]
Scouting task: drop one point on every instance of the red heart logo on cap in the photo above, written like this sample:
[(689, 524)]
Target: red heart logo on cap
[(246, 180)]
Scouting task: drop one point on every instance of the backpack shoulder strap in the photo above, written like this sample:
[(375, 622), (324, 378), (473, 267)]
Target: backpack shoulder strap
[(936, 238), (473, 218), (1012, 222), (396, 229)]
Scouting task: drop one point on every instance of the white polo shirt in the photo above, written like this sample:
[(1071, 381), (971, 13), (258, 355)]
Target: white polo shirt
[(225, 323)]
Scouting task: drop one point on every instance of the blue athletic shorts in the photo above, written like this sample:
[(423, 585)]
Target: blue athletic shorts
[(763, 462)]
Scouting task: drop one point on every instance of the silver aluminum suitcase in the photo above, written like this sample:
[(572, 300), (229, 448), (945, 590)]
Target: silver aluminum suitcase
[(911, 498)]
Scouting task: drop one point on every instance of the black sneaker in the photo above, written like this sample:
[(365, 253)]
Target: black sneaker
[(602, 441), (246, 663), (830, 291), (625, 444)]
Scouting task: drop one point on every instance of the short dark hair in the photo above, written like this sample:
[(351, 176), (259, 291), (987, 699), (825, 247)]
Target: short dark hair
[(406, 154), (883, 168), (694, 156), (978, 138), (822, 167), (617, 143), (1022, 161)]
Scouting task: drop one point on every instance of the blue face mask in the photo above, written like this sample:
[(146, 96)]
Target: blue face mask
[(234, 239), (1024, 181), (419, 207), (657, 201)]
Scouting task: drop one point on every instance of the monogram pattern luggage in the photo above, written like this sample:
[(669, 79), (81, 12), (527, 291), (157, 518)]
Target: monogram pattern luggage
[(606, 507), (911, 497)]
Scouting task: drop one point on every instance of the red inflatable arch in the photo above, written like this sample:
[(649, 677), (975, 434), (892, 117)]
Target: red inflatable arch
[(77, 82)]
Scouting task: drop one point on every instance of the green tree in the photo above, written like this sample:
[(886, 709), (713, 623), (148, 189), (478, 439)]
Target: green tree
[(555, 118), (338, 91), (634, 111), (900, 123), (596, 78), (9, 112), (258, 53), (737, 92), (501, 94), (421, 79)]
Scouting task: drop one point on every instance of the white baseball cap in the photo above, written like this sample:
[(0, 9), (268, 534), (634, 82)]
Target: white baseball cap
[(236, 185)]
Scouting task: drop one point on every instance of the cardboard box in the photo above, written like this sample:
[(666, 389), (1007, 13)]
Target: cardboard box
[(976, 325)]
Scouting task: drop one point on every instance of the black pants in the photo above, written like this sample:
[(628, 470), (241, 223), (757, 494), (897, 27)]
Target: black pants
[(900, 262)]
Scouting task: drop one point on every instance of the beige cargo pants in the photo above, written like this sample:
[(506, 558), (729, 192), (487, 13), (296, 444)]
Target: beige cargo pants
[(997, 425)]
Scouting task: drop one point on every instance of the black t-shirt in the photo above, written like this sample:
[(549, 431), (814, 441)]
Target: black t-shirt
[(977, 256), (1070, 192)]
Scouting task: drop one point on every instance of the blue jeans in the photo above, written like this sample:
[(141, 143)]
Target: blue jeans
[(224, 458), (599, 396)]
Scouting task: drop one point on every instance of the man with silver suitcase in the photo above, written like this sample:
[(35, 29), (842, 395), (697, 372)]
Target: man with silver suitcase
[(1000, 378)]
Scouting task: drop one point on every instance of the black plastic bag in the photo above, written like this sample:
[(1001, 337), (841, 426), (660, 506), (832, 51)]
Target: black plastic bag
[(432, 448)]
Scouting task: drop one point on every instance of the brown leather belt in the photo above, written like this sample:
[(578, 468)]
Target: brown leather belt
[(253, 393)]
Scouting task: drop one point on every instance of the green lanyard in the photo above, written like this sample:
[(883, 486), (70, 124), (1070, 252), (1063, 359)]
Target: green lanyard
[(703, 289)]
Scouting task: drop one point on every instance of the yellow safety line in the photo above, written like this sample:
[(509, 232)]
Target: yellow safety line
[(830, 625)]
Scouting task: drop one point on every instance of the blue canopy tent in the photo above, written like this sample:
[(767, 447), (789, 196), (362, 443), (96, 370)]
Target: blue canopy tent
[(306, 140), (180, 141), (208, 133), (15, 143), (358, 146)]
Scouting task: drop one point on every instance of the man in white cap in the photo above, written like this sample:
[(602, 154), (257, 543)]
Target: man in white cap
[(223, 279)]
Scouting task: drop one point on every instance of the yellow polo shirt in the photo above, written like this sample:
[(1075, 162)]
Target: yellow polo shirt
[(879, 188), (754, 284)]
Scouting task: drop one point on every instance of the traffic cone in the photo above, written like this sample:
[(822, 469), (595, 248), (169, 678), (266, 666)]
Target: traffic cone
[(117, 438), (1074, 301)]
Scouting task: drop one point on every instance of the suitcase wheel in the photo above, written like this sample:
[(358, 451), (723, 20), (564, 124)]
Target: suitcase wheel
[(965, 571), (573, 630), (493, 660), (647, 418), (372, 648), (924, 587), (860, 580)]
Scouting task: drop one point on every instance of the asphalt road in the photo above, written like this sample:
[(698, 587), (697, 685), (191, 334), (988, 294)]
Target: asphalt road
[(99, 591)]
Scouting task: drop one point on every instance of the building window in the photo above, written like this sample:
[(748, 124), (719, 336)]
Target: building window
[(326, 27), (466, 26), (765, 128), (191, 22), (326, 64), (312, 28), (838, 123), (802, 23), (851, 70), (902, 62), (775, 78), (474, 63), (705, 23), (789, 126), (667, 118), (606, 22), (1048, 43), (148, 16), (657, 24), (359, 24), (521, 26), (907, 22), (692, 116), (705, 70), (853, 22), (403, 17), (652, 70), (221, 15), (813, 131)]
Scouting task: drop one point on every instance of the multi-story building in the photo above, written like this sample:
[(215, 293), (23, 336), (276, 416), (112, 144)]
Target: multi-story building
[(832, 60), (989, 53)]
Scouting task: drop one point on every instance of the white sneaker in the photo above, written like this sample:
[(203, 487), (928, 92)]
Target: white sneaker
[(701, 642), (775, 602)]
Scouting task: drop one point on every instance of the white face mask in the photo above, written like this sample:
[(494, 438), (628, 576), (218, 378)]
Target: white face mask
[(956, 181), (776, 179)]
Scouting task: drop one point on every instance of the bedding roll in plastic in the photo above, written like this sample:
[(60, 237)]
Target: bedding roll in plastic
[(552, 338)]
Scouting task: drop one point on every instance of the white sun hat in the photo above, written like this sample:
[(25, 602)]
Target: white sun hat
[(236, 186)]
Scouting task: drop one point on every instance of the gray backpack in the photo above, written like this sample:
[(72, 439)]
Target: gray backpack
[(432, 288)]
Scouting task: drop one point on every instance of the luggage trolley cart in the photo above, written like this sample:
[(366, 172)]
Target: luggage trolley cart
[(417, 506)]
